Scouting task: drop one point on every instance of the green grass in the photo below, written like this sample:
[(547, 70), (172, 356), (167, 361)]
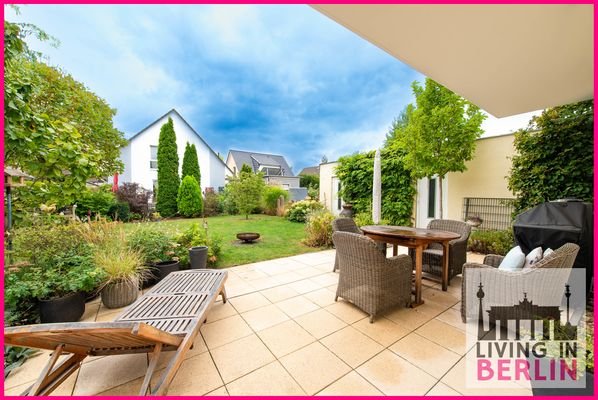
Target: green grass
[(279, 237)]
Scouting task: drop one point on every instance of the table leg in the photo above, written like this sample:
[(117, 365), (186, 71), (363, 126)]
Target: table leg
[(445, 266), (418, 277), (395, 250)]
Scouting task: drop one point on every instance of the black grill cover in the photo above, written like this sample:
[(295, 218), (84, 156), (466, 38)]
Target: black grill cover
[(555, 223)]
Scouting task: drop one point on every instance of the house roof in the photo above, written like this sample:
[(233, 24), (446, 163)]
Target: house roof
[(254, 160), (315, 170), (190, 127)]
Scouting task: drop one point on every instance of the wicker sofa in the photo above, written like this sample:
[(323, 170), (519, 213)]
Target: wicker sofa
[(367, 278), (507, 287)]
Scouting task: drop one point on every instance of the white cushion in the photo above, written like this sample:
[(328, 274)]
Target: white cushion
[(513, 261), (533, 257), (547, 252)]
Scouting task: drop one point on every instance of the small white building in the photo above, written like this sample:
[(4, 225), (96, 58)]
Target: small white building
[(140, 156)]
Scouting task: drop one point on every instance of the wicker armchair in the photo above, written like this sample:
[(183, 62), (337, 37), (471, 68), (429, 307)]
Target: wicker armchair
[(348, 225), (507, 287), (367, 278), (432, 256)]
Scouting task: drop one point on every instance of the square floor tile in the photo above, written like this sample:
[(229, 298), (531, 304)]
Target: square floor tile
[(327, 279), (409, 318), (130, 388), (220, 311), (453, 318), (269, 380), (279, 293), (249, 302), (285, 338), (352, 346), (320, 323), (241, 357), (314, 367), (322, 297), (221, 391), (29, 371), (108, 372), (382, 330), (445, 335), (224, 331), (196, 376), (346, 311), (440, 298), (394, 376), (288, 277), (308, 272), (297, 306), (304, 286), (425, 354), (440, 389), (351, 384), (264, 317)]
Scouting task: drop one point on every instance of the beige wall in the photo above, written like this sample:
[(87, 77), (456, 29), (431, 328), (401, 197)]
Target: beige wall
[(327, 196), (291, 181), (485, 175)]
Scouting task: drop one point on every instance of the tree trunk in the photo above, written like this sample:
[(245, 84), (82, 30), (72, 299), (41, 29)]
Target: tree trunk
[(440, 193)]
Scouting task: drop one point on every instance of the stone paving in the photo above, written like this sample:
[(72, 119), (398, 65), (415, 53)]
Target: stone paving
[(282, 333)]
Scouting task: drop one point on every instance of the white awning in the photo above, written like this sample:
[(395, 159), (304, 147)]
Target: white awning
[(507, 59)]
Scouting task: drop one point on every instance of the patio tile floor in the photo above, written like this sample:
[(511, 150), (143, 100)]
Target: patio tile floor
[(282, 333)]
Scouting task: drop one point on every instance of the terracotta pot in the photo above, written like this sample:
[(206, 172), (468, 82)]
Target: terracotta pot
[(120, 294)]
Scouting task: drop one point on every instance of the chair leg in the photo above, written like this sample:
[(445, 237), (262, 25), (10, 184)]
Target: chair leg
[(150, 369), (51, 378), (371, 318), (223, 294), (336, 298)]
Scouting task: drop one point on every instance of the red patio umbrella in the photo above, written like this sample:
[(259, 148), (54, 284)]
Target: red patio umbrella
[(115, 182)]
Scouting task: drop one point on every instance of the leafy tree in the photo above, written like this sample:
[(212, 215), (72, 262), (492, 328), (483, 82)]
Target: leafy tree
[(189, 199), (438, 135), (56, 130), (246, 168), (136, 196), (191, 163), (246, 191), (356, 173), (399, 125), (554, 156), (309, 181), (271, 196), (324, 159), (168, 171)]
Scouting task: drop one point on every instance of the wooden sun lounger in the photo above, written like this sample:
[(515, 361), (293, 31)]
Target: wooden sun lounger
[(167, 318)]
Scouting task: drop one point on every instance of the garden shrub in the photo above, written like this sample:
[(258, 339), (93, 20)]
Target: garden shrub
[(193, 236), (365, 218), (211, 203), (189, 199), (95, 201), (168, 171), (136, 196), (356, 173), (318, 228), (298, 211), (246, 191), (153, 244), (491, 242), (191, 163), (271, 195), (227, 203), (120, 212)]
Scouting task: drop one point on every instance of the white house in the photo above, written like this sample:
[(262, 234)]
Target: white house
[(140, 156)]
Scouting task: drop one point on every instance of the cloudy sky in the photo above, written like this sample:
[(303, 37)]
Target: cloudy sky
[(279, 79)]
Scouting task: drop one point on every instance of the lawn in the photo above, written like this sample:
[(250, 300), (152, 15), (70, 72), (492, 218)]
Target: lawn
[(279, 237)]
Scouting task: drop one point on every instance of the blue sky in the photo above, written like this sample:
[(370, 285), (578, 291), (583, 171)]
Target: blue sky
[(279, 79)]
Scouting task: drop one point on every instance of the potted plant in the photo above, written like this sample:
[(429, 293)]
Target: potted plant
[(123, 269), (196, 248), (157, 251)]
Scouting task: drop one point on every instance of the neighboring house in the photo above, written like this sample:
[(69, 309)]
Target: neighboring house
[(329, 188), (140, 156), (275, 168), (315, 170), (481, 190)]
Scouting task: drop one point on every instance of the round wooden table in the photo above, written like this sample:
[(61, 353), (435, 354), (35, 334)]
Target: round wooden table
[(418, 239)]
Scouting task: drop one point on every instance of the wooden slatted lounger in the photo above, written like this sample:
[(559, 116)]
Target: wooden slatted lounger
[(166, 318)]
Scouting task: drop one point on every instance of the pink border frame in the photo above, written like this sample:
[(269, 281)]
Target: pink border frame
[(317, 2)]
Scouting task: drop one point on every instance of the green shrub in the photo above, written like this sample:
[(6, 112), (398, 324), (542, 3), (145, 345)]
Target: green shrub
[(211, 204), (191, 163), (318, 228), (227, 203), (491, 242), (153, 244), (120, 212), (365, 218), (15, 356), (168, 171), (197, 236), (189, 199), (298, 211), (271, 195), (97, 201)]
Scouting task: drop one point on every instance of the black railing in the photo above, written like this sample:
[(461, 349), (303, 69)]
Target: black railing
[(495, 213)]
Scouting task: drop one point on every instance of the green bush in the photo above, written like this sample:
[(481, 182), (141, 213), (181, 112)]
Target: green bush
[(365, 218), (197, 236), (191, 163), (271, 195), (211, 204), (318, 228), (153, 244), (227, 203), (189, 199), (298, 211), (120, 212), (491, 242), (168, 171), (98, 202)]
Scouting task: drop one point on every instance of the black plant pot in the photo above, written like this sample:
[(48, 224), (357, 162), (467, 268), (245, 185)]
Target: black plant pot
[(198, 257), (63, 309), (151, 278), (166, 267), (91, 295)]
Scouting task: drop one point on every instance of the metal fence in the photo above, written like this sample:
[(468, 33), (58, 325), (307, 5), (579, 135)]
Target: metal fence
[(495, 213)]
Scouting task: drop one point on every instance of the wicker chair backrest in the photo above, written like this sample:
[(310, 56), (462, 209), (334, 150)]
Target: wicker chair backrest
[(450, 225), (357, 249), (345, 225)]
